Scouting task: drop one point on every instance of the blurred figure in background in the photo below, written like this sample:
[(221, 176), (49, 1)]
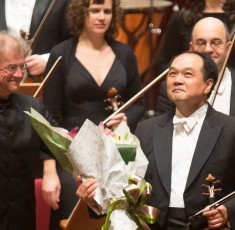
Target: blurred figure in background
[(210, 36), (178, 33), (26, 16), (92, 62)]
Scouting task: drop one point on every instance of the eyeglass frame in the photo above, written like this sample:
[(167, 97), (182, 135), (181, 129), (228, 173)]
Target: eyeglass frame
[(12, 68), (212, 45)]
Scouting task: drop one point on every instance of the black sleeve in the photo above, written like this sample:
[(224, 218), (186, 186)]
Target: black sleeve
[(172, 42)]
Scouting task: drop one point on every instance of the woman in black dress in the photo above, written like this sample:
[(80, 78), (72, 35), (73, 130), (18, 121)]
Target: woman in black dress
[(92, 62)]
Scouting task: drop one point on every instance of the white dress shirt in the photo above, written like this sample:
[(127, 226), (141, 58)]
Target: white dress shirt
[(183, 147), (18, 15), (223, 97)]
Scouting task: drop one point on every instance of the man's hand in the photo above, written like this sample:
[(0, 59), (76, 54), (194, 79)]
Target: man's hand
[(217, 217), (116, 120), (51, 184), (35, 64), (86, 189)]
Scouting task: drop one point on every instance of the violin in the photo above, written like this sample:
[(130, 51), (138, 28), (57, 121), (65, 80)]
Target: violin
[(113, 99), (211, 190), (211, 182)]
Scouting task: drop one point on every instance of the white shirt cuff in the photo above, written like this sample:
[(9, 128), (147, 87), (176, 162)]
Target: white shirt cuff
[(45, 57)]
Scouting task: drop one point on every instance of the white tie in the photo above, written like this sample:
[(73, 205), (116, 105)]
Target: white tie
[(187, 122)]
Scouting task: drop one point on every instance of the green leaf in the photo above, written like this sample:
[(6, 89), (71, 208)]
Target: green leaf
[(127, 151)]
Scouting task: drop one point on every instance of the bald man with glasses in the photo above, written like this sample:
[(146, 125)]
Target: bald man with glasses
[(211, 36)]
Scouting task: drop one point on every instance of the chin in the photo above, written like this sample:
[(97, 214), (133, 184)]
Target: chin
[(14, 89), (177, 96), (178, 99), (100, 31)]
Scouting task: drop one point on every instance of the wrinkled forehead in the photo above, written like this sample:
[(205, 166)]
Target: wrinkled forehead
[(12, 57), (10, 48)]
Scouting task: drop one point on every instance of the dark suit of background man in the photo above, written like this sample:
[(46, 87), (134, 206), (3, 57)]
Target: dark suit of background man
[(186, 145), (210, 36), (13, 13)]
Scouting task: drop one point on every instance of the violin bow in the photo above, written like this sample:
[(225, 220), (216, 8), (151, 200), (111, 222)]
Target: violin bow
[(221, 73), (31, 42), (47, 76), (214, 205), (42, 24), (157, 79), (137, 96)]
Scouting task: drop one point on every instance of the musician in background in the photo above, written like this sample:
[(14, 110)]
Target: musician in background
[(20, 145), (27, 15), (178, 33), (92, 62), (210, 36), (183, 147)]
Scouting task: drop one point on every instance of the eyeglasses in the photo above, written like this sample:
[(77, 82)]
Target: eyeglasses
[(214, 43), (13, 68)]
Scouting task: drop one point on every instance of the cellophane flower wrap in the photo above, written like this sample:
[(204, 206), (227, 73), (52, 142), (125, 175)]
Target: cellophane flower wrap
[(94, 154), (91, 153)]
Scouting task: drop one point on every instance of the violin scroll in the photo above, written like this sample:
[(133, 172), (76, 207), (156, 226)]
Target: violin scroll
[(25, 35), (211, 190), (113, 98)]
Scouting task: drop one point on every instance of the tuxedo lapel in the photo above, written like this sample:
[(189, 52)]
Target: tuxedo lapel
[(207, 139), (232, 100), (3, 25), (162, 139), (39, 10)]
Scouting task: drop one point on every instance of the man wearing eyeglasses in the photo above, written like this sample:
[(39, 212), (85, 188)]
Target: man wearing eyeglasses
[(20, 146), (186, 148), (210, 36), (23, 18)]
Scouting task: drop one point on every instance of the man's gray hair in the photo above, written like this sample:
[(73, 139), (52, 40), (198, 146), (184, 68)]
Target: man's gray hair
[(9, 42)]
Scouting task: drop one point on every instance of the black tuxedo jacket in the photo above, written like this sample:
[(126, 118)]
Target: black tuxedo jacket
[(214, 153), (55, 29), (164, 104)]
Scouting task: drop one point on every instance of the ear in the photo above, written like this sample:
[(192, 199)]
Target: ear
[(209, 83), (228, 45), (191, 48)]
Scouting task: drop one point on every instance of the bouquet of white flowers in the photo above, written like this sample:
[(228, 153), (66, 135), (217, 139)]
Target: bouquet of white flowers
[(91, 153)]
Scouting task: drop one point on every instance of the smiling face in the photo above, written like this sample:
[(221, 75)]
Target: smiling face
[(99, 18), (209, 31), (9, 82), (185, 81)]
